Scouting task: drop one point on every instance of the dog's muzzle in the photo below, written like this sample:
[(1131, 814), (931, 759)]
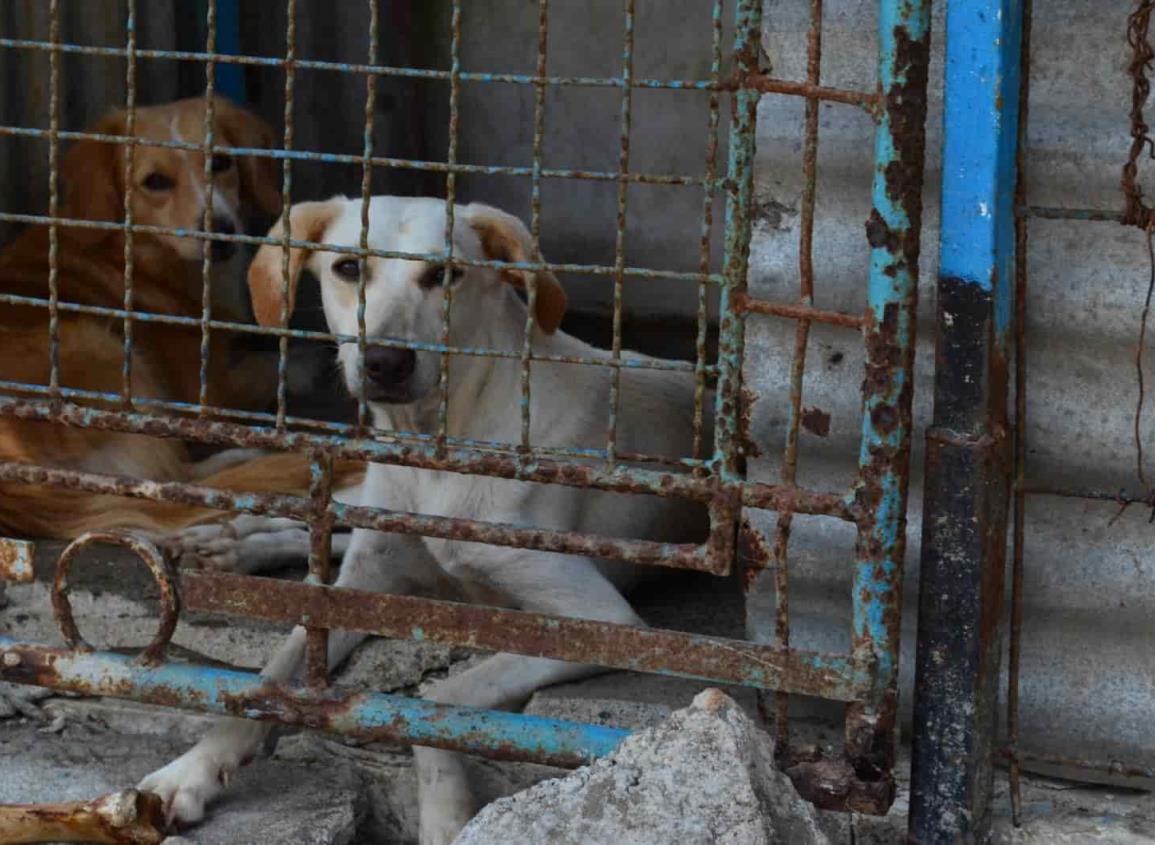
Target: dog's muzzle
[(389, 374)]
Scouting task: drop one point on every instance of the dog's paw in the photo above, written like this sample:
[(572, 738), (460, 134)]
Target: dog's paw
[(18, 700), (442, 829), (186, 785), (241, 545)]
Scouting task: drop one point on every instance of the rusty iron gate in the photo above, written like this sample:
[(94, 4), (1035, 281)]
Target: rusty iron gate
[(865, 677)]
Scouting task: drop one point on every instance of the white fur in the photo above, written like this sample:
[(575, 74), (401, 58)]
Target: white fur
[(569, 407)]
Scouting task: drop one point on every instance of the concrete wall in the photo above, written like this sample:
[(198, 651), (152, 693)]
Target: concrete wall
[(1088, 668)]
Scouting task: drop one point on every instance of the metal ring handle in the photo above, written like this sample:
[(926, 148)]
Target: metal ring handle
[(162, 573)]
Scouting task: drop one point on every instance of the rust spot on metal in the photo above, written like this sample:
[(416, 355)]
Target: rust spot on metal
[(878, 234), (754, 552), (833, 784), (816, 421), (906, 109), (746, 400), (16, 561)]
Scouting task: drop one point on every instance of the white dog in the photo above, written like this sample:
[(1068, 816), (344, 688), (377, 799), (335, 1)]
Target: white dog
[(569, 408)]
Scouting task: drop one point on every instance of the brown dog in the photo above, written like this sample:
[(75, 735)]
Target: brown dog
[(169, 190)]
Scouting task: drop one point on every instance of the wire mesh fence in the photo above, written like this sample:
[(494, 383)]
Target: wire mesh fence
[(709, 473)]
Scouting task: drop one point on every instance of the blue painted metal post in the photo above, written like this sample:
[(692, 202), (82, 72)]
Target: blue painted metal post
[(968, 467)]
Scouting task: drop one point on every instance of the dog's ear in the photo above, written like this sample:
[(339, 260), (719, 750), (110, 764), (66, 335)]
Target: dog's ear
[(260, 176), (92, 174), (308, 222), (505, 238)]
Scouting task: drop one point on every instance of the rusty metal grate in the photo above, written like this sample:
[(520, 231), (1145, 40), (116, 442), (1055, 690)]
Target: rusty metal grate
[(713, 474)]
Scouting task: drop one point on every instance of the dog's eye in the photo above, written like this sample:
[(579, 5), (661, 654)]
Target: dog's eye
[(221, 163), (435, 276), (158, 182), (348, 269)]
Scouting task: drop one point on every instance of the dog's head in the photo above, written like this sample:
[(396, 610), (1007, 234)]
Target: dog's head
[(403, 297), (169, 185)]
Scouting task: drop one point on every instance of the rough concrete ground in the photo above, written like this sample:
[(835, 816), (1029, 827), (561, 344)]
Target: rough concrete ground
[(315, 789)]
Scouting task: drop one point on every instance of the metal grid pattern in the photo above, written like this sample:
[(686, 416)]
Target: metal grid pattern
[(712, 474)]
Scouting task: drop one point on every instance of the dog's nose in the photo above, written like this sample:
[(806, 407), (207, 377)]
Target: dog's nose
[(387, 366), (223, 250)]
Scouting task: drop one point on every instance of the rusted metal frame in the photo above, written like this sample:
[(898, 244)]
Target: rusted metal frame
[(727, 463), (129, 193), (320, 607), (620, 235), (469, 460), (739, 208), (54, 202), (461, 460), (676, 555), (363, 414), (289, 64), (608, 644), (320, 559), (779, 552), (1019, 498), (892, 230), (209, 132), (701, 364), (367, 716), (216, 412), (436, 258), (968, 462), (757, 81), (526, 446), (450, 220), (799, 311)]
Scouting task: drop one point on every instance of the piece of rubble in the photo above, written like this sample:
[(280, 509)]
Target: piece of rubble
[(704, 777)]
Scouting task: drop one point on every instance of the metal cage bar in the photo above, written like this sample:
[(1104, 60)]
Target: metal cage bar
[(968, 464)]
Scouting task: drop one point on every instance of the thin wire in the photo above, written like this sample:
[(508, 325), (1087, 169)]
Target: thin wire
[(207, 216), (708, 193), (286, 204), (450, 220), (620, 239), (785, 520), (53, 204), (129, 190), (534, 227), (366, 200), (1140, 349)]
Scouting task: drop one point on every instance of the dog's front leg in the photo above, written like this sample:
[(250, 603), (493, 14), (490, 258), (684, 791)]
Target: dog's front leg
[(557, 584), (381, 562)]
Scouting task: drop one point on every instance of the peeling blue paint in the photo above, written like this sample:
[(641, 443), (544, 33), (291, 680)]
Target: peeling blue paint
[(225, 692)]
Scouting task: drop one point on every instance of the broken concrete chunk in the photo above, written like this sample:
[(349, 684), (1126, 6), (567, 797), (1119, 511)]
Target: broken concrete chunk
[(704, 777)]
